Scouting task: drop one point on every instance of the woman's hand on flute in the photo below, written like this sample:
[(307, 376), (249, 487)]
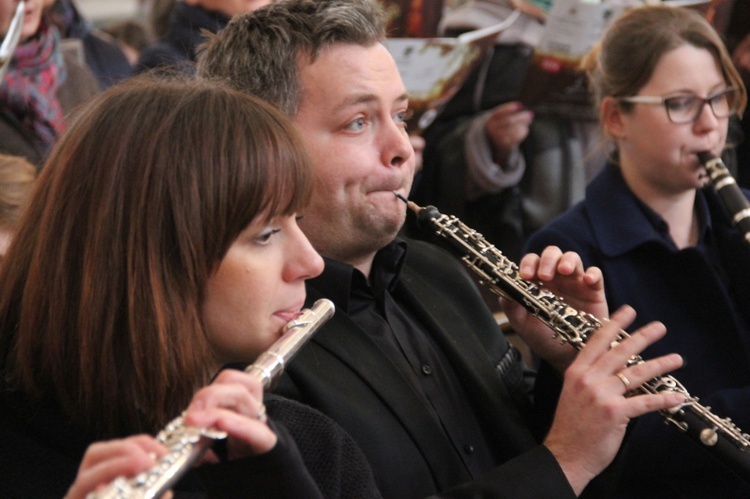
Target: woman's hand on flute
[(233, 403), (105, 461)]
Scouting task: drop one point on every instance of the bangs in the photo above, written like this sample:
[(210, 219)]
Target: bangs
[(264, 169), (287, 186)]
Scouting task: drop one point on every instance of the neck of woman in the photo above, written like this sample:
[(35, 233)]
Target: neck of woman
[(676, 208)]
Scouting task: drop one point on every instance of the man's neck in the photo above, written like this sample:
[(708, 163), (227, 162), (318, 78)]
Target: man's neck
[(364, 266)]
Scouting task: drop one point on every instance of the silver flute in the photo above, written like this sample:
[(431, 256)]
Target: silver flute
[(186, 443), (730, 195), (10, 42), (720, 436)]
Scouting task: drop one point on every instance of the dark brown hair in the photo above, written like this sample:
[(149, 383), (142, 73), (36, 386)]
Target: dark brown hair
[(622, 62), (101, 291)]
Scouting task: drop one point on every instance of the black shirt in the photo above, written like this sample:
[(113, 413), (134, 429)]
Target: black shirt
[(410, 346)]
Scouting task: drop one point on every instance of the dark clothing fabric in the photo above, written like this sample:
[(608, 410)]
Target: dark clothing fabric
[(701, 294), (548, 178), (442, 181), (177, 49), (40, 453), (408, 344), (103, 56), (362, 383)]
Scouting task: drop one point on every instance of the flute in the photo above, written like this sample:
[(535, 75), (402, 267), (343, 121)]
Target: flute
[(12, 37), (720, 436), (185, 443), (732, 199)]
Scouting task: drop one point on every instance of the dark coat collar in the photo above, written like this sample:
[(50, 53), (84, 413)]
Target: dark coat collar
[(621, 222)]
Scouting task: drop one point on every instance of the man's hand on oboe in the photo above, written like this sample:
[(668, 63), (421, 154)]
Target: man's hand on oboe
[(564, 275), (597, 400)]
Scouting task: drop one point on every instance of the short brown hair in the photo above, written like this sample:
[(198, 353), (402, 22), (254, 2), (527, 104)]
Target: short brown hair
[(258, 53)]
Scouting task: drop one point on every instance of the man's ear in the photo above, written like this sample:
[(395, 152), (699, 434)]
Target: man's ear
[(612, 118)]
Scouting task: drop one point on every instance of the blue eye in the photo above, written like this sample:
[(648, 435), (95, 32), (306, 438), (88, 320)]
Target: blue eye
[(356, 125)]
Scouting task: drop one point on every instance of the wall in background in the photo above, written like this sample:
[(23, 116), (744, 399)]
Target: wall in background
[(103, 11)]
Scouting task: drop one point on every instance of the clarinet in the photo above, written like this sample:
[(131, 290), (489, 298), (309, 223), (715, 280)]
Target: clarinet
[(185, 443), (720, 436), (732, 199)]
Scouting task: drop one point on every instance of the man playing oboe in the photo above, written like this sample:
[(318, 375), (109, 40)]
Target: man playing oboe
[(413, 365)]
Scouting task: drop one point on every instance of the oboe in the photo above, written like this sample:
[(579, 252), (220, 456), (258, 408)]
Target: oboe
[(185, 443), (718, 435), (732, 199)]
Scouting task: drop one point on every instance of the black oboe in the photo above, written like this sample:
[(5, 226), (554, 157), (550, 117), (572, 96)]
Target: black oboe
[(720, 436), (734, 201)]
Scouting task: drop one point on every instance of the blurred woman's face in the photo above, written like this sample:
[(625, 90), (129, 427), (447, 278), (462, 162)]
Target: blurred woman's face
[(659, 155), (32, 17)]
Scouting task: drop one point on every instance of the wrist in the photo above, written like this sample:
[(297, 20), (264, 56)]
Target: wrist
[(578, 476)]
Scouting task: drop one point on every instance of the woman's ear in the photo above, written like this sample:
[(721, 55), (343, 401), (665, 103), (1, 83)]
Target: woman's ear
[(612, 118)]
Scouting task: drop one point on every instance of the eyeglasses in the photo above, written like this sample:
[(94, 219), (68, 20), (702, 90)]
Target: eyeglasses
[(686, 108)]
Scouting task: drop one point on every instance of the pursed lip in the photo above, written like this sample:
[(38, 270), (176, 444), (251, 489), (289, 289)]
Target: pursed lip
[(290, 313), (390, 190)]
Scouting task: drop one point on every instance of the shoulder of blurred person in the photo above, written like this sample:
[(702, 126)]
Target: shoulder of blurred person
[(131, 36), (17, 141), (80, 85), (177, 47), (101, 53)]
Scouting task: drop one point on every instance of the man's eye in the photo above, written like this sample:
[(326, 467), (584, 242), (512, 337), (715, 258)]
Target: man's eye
[(405, 116), (356, 125)]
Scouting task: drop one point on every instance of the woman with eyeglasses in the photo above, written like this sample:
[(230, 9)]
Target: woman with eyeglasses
[(665, 89)]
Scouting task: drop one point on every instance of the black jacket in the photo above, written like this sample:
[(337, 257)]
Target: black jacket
[(343, 373)]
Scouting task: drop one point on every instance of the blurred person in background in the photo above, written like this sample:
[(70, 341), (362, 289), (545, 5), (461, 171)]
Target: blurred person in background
[(176, 49), (16, 180), (132, 38), (101, 52), (42, 84)]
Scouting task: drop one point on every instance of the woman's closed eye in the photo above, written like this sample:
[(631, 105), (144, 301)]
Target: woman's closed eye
[(265, 237)]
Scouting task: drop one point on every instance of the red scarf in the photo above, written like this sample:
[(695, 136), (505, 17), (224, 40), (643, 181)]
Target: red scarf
[(29, 89)]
